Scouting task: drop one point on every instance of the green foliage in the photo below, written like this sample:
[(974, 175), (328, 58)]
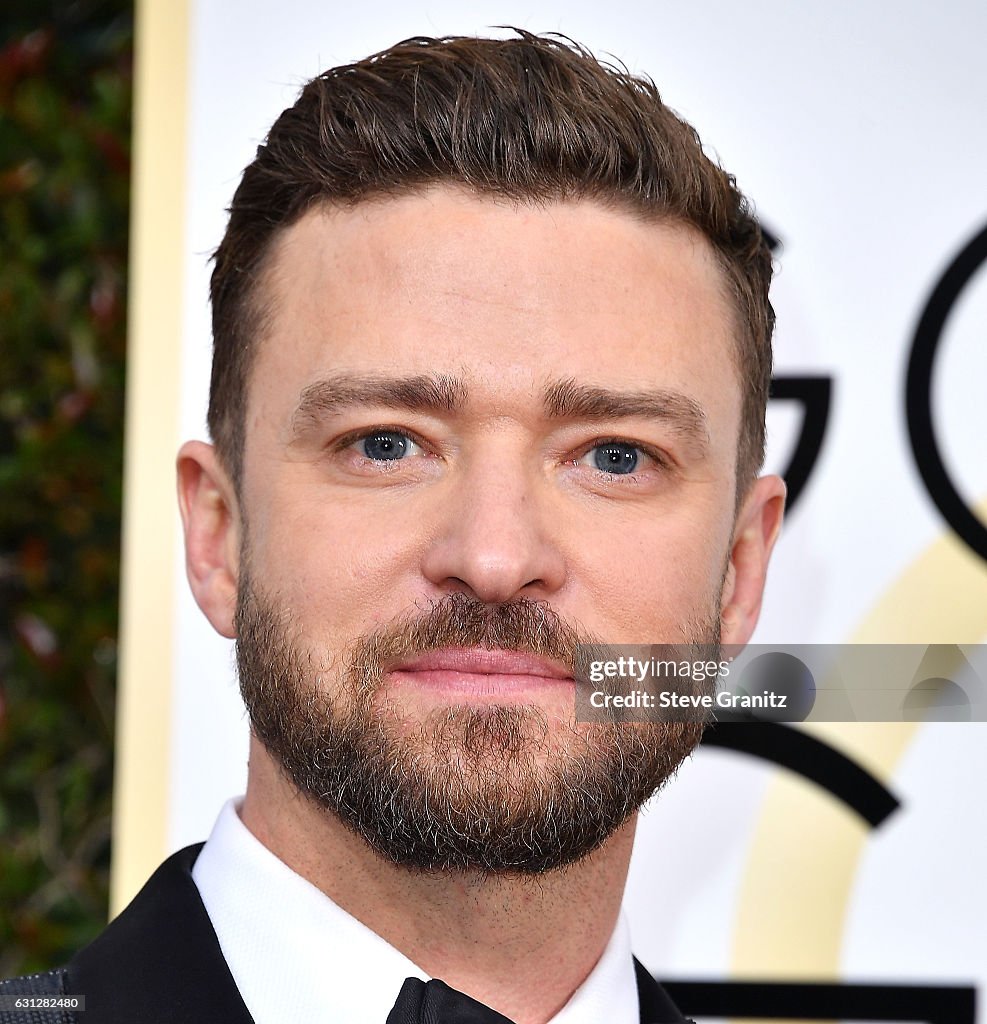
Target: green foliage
[(65, 98)]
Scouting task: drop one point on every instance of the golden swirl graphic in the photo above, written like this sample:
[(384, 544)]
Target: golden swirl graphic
[(803, 858)]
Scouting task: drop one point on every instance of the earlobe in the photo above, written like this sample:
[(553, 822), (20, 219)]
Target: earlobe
[(755, 533), (211, 521)]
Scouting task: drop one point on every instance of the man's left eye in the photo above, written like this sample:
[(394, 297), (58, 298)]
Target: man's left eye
[(387, 446), (616, 457)]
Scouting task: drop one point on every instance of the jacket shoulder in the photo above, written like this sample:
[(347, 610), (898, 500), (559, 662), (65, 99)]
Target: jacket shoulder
[(160, 961)]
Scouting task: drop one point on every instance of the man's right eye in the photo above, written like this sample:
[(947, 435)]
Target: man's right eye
[(386, 446)]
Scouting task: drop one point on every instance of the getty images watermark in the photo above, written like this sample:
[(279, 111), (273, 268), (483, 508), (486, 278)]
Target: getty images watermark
[(777, 683)]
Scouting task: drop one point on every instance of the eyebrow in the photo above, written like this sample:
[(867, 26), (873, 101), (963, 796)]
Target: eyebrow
[(420, 393), (568, 399), (437, 393)]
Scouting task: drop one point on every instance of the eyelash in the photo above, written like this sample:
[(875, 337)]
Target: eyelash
[(657, 456), (350, 439)]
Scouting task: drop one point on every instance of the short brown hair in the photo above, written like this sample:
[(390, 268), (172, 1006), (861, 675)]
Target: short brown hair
[(531, 118)]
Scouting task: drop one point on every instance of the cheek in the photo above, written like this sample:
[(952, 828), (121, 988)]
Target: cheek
[(336, 566), (644, 584)]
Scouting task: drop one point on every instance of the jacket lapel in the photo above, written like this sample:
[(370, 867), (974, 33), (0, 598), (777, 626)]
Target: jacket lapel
[(656, 1005)]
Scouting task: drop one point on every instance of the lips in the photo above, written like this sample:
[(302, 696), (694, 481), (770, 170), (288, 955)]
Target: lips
[(480, 671)]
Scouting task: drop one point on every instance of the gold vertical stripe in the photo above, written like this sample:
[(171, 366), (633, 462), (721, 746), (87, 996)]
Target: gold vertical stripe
[(793, 905), (144, 702)]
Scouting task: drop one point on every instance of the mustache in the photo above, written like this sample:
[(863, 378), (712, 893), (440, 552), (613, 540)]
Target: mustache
[(460, 620)]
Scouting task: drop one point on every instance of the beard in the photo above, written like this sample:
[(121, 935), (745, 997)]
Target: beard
[(497, 788)]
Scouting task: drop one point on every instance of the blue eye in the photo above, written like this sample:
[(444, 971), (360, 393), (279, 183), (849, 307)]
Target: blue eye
[(615, 457), (387, 446)]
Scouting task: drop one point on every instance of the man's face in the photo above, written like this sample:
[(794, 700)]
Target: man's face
[(478, 434)]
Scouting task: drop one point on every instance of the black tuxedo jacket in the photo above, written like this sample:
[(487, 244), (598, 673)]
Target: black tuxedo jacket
[(159, 962)]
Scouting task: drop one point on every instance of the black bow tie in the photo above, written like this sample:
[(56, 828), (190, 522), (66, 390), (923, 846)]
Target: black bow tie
[(433, 1002)]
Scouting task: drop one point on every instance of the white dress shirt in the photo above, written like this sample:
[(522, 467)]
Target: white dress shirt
[(296, 956)]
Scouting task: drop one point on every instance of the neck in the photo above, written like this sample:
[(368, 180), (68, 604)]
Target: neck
[(488, 936)]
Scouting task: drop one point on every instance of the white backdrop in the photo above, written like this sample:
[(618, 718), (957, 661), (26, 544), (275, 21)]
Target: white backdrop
[(859, 130)]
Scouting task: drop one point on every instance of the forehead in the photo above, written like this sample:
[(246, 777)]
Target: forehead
[(506, 297)]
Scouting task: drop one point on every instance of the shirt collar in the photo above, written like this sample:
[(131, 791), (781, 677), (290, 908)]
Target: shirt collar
[(296, 955)]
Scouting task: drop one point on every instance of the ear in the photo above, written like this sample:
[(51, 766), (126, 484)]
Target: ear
[(211, 519), (754, 536)]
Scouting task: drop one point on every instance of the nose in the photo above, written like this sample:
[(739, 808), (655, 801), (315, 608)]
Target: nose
[(497, 540)]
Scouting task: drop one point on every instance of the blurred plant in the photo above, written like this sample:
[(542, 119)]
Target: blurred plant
[(65, 98)]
